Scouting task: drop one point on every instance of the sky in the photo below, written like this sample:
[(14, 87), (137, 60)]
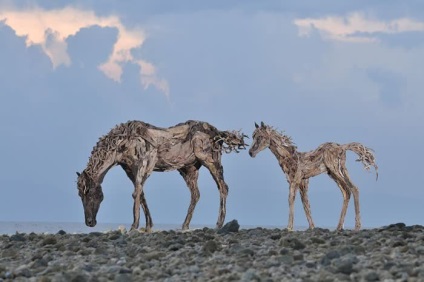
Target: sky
[(330, 71)]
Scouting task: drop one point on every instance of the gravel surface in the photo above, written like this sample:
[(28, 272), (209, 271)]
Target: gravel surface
[(390, 253)]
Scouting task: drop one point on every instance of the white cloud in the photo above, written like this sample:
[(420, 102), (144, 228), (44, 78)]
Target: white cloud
[(352, 28), (51, 28)]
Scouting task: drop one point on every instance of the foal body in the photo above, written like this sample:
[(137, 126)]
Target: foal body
[(298, 167)]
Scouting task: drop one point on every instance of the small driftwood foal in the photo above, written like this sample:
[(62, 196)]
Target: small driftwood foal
[(140, 148), (299, 167)]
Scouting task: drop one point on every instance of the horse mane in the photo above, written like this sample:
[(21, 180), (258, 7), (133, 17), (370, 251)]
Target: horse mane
[(108, 144)]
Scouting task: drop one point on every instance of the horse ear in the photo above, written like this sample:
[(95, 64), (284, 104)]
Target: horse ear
[(78, 173), (256, 125), (262, 124)]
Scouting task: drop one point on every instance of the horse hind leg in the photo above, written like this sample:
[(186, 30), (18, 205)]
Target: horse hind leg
[(191, 175), (149, 221)]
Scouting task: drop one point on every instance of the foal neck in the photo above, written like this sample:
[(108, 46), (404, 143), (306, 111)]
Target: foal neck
[(282, 146)]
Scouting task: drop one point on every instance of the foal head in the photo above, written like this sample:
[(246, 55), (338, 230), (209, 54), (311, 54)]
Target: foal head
[(261, 139), (91, 195), (264, 135)]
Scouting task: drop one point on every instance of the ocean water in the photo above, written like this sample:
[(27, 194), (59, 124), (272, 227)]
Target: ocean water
[(10, 228)]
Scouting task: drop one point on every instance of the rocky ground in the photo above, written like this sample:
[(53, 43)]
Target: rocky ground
[(390, 253)]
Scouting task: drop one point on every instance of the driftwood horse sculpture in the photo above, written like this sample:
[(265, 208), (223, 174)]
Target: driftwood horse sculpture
[(298, 167), (140, 148)]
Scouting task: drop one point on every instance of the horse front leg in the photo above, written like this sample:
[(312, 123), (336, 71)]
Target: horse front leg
[(136, 207), (303, 188), (217, 173), (143, 172), (292, 197), (143, 202), (191, 175)]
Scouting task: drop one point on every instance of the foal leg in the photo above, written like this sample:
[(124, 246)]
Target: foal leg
[(344, 188), (190, 175), (303, 188), (355, 192)]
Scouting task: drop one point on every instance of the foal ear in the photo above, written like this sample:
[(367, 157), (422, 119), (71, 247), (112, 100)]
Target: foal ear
[(262, 124), (256, 125)]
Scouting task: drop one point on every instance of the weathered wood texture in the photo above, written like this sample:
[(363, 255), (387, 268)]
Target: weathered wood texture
[(298, 167), (140, 148)]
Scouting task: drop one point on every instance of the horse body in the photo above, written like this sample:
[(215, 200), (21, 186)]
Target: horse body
[(140, 148), (298, 167)]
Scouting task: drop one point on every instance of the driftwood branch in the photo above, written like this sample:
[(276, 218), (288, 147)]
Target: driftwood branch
[(229, 141)]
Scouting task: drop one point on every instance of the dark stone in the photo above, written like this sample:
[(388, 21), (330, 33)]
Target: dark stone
[(18, 237), (298, 256), (39, 263), (275, 236), (248, 252), (95, 234), (371, 276), (210, 247), (125, 270), (398, 244), (123, 277), (175, 247), (114, 236), (50, 240), (232, 226), (394, 227), (294, 243), (344, 266), (61, 232), (316, 240), (310, 264), (326, 260)]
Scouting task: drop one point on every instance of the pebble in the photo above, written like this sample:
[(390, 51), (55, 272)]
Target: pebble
[(390, 253)]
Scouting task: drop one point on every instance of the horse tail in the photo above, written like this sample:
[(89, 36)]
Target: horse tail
[(366, 155)]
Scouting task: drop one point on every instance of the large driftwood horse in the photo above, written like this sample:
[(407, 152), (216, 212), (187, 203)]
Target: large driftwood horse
[(328, 158), (140, 148)]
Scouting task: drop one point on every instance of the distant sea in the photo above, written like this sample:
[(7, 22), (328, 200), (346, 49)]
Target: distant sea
[(10, 228), (69, 227)]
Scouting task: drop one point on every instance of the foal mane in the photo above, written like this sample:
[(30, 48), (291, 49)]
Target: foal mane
[(280, 138)]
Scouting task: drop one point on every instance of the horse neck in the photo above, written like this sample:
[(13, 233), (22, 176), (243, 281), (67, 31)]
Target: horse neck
[(100, 162), (287, 156)]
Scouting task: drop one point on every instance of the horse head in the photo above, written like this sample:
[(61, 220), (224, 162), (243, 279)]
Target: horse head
[(261, 139), (91, 195)]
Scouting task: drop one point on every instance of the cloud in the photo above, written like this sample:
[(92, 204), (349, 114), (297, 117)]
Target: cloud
[(355, 27), (50, 29)]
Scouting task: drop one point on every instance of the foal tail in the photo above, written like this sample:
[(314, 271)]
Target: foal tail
[(366, 155)]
